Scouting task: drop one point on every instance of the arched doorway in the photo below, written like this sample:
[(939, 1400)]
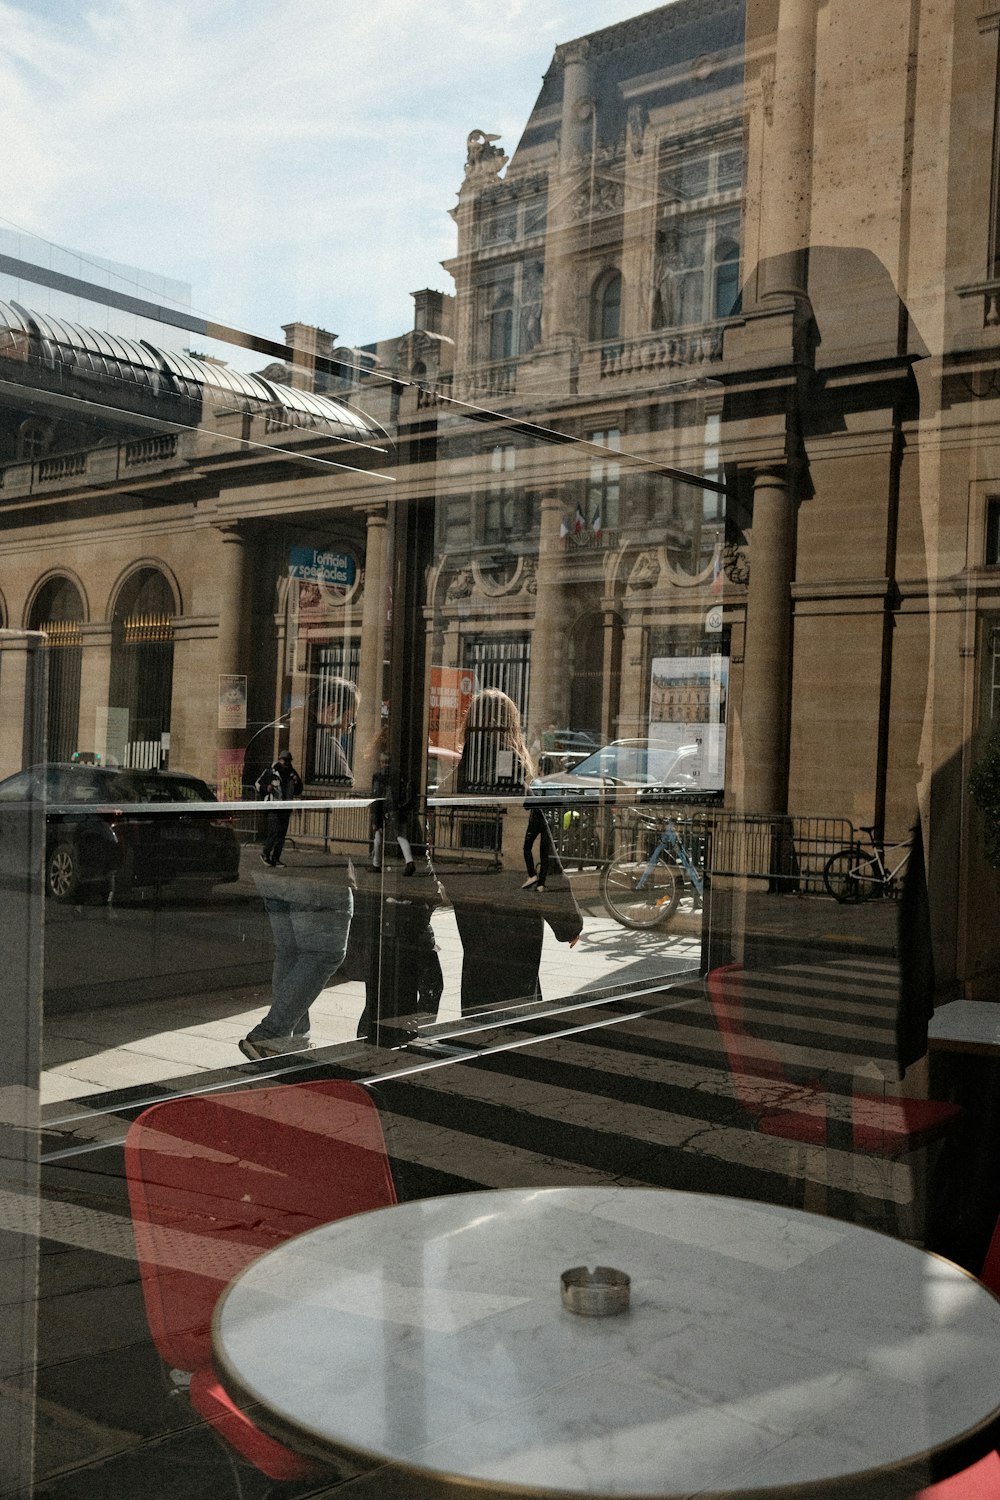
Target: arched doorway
[(142, 670), (58, 611)]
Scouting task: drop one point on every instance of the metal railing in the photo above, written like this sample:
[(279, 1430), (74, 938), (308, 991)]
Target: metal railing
[(321, 826), (789, 851), (465, 831)]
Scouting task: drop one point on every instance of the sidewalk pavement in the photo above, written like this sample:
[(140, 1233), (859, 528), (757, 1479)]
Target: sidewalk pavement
[(153, 1042)]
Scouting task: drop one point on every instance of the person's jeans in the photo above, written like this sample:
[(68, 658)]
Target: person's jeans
[(309, 947)]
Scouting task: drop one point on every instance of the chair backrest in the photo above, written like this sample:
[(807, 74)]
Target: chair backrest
[(216, 1179)]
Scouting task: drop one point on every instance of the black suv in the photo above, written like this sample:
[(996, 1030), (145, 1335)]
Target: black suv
[(109, 829)]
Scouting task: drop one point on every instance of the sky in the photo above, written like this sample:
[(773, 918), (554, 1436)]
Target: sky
[(289, 159)]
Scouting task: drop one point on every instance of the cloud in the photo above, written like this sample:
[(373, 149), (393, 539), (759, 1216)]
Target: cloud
[(289, 158)]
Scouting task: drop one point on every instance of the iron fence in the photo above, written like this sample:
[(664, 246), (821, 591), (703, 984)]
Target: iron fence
[(789, 851), (461, 831)]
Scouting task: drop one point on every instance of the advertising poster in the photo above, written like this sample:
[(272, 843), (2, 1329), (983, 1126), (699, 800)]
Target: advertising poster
[(229, 775), (451, 693), (330, 574), (232, 702), (687, 716)]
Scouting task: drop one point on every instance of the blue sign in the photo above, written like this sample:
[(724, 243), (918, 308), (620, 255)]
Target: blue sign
[(335, 569)]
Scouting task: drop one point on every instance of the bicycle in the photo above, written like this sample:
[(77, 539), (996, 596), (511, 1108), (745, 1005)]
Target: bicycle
[(854, 874), (641, 892)]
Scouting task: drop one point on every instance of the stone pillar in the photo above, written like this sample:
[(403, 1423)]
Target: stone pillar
[(232, 656), (786, 205), (767, 656), (22, 699), (611, 671), (548, 636), (95, 681), (560, 312), (372, 665)]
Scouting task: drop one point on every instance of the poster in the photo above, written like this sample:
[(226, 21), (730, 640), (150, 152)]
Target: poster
[(229, 774), (451, 693), (232, 701), (687, 716)]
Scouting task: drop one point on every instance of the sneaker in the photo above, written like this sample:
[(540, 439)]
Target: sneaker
[(527, 884), (259, 1047), (409, 868), (264, 860)]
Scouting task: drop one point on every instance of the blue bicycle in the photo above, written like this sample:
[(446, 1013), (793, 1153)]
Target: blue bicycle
[(641, 891)]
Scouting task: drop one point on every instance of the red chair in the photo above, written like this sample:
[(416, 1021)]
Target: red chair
[(214, 1180), (881, 1125), (981, 1481)]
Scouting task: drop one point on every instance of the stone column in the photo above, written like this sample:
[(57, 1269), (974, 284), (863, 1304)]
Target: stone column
[(786, 205), (548, 636), (611, 671), (95, 681), (232, 655), (560, 313), (372, 665), (22, 699), (767, 655)]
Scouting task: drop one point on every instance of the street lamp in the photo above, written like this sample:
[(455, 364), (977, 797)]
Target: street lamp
[(277, 723)]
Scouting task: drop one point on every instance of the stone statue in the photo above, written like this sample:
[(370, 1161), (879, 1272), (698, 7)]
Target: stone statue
[(483, 159)]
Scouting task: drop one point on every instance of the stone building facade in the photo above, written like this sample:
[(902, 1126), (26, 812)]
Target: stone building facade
[(699, 447)]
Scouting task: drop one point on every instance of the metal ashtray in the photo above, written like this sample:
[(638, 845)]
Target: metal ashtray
[(595, 1294)]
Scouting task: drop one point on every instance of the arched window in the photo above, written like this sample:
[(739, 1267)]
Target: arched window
[(606, 307), (727, 277), (611, 308), (502, 322), (58, 611), (142, 670)]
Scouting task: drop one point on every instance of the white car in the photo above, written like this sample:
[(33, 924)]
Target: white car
[(635, 765)]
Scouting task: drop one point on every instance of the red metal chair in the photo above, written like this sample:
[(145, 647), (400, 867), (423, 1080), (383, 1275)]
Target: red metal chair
[(881, 1125), (981, 1481), (214, 1180)]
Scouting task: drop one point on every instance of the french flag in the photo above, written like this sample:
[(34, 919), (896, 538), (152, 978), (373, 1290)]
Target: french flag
[(595, 524), (578, 521)]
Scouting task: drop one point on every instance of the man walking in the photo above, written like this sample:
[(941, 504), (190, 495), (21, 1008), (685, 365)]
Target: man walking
[(278, 784)]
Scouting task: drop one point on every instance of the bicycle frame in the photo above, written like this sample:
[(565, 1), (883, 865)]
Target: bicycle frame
[(669, 841)]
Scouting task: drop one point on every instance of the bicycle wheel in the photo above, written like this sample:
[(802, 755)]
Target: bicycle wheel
[(644, 905), (850, 875)]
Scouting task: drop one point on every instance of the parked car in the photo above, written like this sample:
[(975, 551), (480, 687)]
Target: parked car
[(108, 829), (647, 769), (564, 748)]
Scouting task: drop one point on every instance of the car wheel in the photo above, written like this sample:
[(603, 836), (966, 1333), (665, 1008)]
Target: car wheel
[(62, 872)]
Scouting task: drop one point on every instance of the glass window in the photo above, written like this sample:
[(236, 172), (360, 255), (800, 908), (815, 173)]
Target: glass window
[(603, 507)]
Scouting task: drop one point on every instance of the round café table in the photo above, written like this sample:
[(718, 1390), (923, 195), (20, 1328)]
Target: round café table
[(763, 1350)]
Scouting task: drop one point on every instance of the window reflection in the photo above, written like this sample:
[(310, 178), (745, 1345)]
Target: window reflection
[(627, 614)]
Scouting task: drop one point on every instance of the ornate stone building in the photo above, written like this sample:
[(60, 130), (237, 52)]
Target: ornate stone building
[(699, 448)]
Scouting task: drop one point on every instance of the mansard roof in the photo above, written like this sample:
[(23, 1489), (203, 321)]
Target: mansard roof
[(660, 41), (133, 375)]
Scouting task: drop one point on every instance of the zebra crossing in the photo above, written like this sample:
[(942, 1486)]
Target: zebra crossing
[(642, 1091)]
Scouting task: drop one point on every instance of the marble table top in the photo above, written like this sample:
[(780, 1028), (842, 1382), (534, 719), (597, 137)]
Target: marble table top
[(966, 1026), (763, 1347)]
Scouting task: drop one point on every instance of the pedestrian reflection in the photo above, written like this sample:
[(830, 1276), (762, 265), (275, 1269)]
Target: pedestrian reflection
[(310, 908), (500, 918)]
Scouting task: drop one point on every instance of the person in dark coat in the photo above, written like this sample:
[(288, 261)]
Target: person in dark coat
[(278, 785)]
